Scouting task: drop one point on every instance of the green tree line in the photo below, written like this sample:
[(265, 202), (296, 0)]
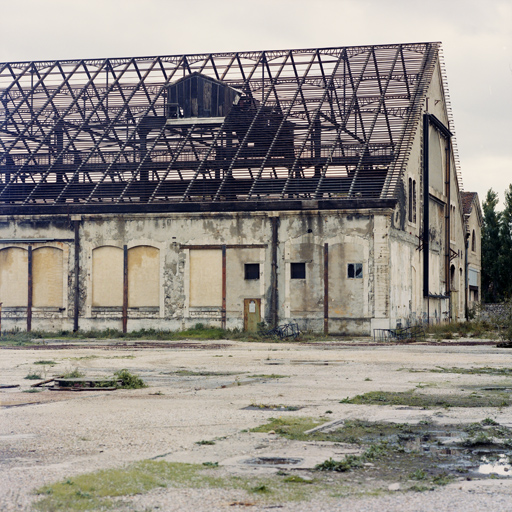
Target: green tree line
[(497, 248)]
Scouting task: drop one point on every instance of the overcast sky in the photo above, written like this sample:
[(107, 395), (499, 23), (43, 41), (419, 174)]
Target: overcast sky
[(476, 37)]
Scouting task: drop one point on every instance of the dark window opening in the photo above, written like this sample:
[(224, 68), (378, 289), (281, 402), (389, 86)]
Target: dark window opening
[(355, 271), (252, 271), (298, 271)]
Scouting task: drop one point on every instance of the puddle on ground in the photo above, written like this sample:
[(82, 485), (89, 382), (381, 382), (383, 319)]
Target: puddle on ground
[(500, 467), (476, 449)]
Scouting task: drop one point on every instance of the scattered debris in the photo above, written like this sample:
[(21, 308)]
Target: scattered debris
[(285, 331), (413, 333)]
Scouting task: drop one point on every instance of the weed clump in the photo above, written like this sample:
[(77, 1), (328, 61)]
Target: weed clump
[(33, 376), (127, 380)]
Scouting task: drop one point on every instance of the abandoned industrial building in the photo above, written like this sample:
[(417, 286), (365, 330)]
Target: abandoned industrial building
[(316, 186)]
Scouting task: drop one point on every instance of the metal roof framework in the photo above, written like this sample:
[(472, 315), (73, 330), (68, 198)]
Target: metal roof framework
[(331, 124)]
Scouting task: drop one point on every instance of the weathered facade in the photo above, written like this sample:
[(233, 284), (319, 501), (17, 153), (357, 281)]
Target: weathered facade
[(474, 221), (318, 186)]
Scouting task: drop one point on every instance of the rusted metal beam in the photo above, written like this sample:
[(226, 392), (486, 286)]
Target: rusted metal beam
[(73, 130), (227, 246)]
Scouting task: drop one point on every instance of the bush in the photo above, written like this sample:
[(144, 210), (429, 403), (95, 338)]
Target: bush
[(129, 381)]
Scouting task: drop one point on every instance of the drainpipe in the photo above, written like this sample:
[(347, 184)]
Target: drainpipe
[(448, 227), (466, 277), (426, 249), (30, 290), (274, 318), (76, 310)]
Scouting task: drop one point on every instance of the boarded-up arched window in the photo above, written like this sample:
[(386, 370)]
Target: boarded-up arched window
[(14, 277), (206, 278), (143, 276), (107, 276), (47, 277)]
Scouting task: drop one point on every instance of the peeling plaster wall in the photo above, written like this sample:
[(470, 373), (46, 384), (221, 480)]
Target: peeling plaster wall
[(186, 251), (407, 304)]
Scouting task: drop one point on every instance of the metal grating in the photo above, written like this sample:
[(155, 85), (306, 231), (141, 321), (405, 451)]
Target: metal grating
[(331, 123)]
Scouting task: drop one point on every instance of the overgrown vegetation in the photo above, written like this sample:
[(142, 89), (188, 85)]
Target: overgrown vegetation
[(476, 328), (75, 373), (109, 489), (415, 456), (198, 332), (126, 380), (414, 399)]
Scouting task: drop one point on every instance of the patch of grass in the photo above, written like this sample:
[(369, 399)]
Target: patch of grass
[(94, 491), (471, 329), (291, 428), (349, 463), (418, 474), (33, 376), (32, 390), (485, 370), (72, 374), (296, 479), (100, 490), (48, 363), (412, 399), (205, 442), (129, 380)]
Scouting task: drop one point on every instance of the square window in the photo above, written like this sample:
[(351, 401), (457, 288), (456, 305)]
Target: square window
[(298, 270), (355, 270), (252, 271)]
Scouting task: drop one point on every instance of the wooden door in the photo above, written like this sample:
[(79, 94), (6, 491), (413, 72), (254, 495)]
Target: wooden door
[(252, 314)]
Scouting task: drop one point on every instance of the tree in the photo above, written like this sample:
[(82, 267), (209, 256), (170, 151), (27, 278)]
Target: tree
[(505, 256), (492, 290)]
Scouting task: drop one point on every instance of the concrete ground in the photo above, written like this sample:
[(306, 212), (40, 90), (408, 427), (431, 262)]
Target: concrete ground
[(203, 391)]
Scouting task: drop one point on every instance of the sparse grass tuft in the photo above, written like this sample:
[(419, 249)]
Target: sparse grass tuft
[(33, 376), (73, 374)]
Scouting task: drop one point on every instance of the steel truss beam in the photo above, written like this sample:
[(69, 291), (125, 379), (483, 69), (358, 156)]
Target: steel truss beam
[(328, 123)]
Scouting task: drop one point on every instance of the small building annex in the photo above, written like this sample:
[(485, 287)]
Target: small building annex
[(318, 186)]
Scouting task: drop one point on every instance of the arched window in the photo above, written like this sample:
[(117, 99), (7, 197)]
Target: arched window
[(107, 276), (14, 277), (143, 276), (47, 277), (473, 241)]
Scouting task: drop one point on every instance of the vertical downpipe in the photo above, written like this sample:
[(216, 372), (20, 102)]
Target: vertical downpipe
[(30, 290), (426, 248), (223, 312), (76, 310), (326, 288), (448, 229), (274, 317), (125, 288)]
